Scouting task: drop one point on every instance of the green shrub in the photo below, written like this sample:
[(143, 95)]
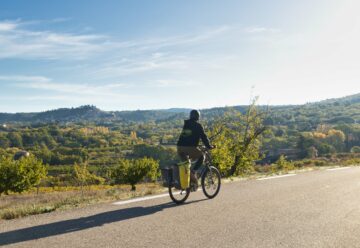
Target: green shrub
[(18, 176), (133, 171), (83, 176), (353, 161), (320, 163), (355, 149), (283, 164)]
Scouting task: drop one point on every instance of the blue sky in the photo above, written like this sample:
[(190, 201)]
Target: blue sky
[(125, 55)]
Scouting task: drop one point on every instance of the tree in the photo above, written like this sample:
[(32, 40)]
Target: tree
[(222, 156), (324, 149), (18, 176), (4, 142), (44, 153), (83, 176), (355, 149), (165, 156), (133, 171), (118, 173), (312, 152), (305, 141), (15, 139), (8, 175), (237, 136), (336, 138)]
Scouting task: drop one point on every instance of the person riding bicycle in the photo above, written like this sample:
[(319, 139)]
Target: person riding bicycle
[(187, 145)]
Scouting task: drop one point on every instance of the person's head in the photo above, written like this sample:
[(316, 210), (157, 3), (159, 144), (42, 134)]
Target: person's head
[(195, 115)]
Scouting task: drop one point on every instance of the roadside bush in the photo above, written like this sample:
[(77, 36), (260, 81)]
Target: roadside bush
[(355, 149), (134, 170), (320, 163), (263, 168), (283, 164), (83, 176), (353, 161), (311, 162), (18, 176)]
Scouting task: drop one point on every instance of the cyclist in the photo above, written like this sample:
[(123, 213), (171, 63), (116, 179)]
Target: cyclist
[(187, 145)]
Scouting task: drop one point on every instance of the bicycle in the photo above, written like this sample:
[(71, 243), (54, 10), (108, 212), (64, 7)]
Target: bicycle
[(210, 180)]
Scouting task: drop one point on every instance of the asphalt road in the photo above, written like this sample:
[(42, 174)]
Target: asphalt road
[(311, 209)]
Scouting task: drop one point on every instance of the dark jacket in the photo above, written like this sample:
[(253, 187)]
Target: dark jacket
[(192, 133)]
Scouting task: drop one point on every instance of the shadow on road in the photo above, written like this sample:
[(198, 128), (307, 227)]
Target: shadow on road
[(74, 225)]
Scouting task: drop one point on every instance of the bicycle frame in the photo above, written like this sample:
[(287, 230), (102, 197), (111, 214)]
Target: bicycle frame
[(207, 161)]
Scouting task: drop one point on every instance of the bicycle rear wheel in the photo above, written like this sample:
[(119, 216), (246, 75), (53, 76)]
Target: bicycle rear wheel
[(211, 182), (178, 196)]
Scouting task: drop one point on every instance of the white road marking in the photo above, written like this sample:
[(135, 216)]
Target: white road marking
[(275, 177), (146, 198), (340, 168)]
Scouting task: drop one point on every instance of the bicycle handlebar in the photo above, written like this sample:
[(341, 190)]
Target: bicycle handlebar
[(204, 148)]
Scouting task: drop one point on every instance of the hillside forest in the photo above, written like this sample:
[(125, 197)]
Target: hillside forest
[(86, 145)]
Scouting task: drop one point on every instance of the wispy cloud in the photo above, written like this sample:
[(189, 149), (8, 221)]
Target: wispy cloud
[(7, 26), (122, 68), (76, 89), (18, 42), (22, 78), (140, 64), (177, 40), (48, 85)]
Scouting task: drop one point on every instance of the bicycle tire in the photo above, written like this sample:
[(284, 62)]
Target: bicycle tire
[(174, 199), (218, 177)]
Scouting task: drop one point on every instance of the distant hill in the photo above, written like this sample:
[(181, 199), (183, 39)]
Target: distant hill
[(332, 111), (89, 113), (83, 113), (353, 99), (345, 110)]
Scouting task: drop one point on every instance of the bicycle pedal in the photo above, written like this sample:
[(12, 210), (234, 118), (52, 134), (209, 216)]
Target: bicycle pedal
[(194, 187)]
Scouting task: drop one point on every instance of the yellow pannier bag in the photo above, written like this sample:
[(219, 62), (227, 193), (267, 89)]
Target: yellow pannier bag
[(184, 174)]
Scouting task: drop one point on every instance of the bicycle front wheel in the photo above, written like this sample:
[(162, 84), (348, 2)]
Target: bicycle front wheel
[(178, 196), (211, 182)]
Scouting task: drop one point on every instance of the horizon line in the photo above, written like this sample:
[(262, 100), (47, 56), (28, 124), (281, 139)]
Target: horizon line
[(170, 108)]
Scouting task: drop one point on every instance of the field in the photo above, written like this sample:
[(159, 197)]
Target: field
[(48, 199)]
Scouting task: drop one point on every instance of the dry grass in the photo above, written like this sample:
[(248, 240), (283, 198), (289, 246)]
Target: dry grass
[(57, 198), (52, 199)]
